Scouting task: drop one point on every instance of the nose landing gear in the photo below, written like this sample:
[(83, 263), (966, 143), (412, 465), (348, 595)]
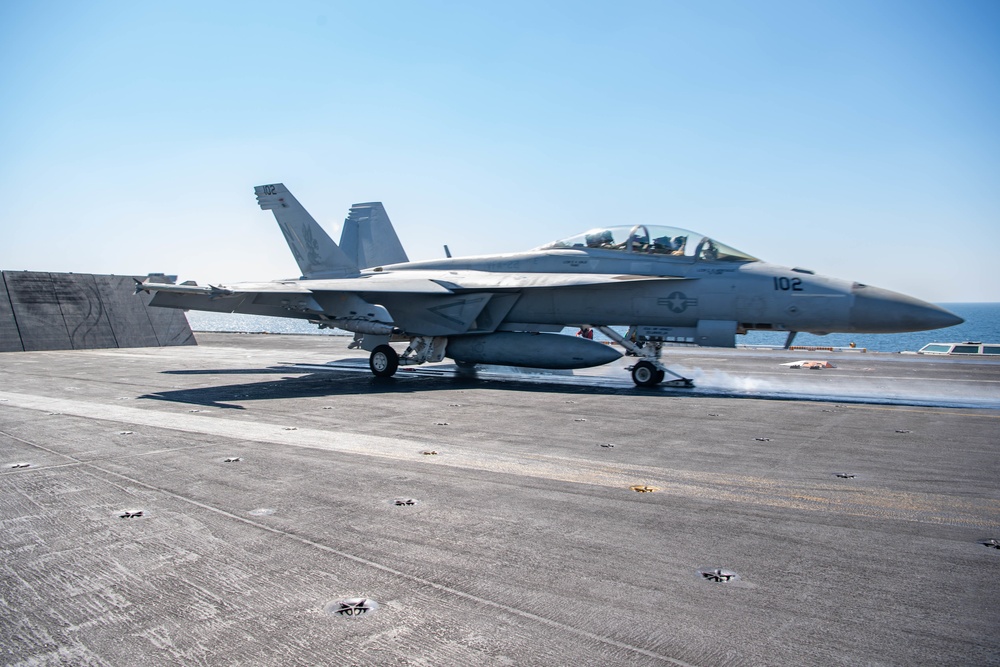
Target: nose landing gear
[(649, 371), (645, 374)]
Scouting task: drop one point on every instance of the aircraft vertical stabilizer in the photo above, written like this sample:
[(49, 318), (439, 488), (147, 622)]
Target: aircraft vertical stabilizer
[(368, 237), (315, 252)]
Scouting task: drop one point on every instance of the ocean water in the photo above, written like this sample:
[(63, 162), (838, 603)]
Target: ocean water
[(982, 323), (227, 322)]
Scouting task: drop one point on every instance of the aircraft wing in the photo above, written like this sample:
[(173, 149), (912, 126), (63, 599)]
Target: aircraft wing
[(435, 303), (408, 282)]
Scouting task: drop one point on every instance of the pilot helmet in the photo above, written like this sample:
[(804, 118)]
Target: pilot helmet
[(597, 239)]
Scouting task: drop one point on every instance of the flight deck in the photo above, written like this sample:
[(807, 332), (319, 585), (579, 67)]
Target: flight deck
[(262, 499)]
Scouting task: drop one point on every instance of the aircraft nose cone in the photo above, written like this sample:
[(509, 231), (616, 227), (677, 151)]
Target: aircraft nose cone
[(877, 310)]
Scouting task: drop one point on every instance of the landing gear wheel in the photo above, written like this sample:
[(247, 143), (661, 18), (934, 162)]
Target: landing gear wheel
[(383, 361), (465, 369), (645, 374)]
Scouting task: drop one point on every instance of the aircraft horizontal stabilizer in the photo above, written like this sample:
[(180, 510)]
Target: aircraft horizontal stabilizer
[(185, 288)]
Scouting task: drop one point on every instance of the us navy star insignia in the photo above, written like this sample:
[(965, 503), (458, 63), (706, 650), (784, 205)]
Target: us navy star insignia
[(677, 302)]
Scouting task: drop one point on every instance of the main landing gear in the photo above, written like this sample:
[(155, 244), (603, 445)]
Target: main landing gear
[(649, 371), (383, 361)]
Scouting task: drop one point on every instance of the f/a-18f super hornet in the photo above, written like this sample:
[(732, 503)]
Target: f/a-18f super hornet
[(666, 284)]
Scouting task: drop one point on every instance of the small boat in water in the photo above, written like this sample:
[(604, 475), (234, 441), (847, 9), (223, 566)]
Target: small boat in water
[(968, 348)]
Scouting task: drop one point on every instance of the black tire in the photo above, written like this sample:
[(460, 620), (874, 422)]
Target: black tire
[(465, 369), (383, 361), (645, 374)]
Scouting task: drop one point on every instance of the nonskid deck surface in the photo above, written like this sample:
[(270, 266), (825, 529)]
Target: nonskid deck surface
[(317, 515)]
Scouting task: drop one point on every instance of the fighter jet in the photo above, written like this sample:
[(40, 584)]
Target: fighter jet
[(668, 285)]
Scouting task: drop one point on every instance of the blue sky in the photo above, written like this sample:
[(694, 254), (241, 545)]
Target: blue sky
[(858, 139)]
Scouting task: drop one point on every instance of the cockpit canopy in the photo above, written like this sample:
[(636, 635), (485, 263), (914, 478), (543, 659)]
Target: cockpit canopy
[(653, 240)]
